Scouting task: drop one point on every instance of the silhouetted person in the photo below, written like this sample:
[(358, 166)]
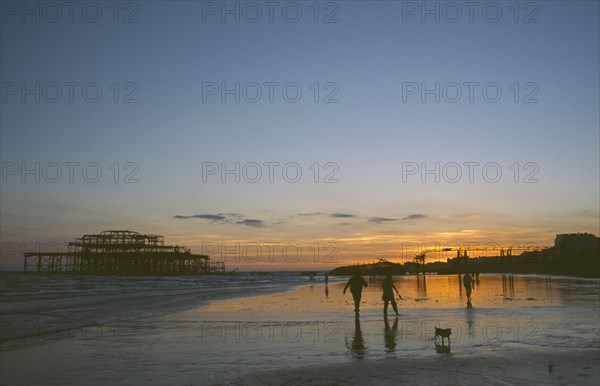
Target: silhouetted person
[(388, 294), (326, 278), (468, 283), (356, 284)]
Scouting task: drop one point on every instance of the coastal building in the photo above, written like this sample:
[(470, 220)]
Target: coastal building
[(577, 244)]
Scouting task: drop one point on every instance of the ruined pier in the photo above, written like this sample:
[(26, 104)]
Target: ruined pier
[(121, 252)]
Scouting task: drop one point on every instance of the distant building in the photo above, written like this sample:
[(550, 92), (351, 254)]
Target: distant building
[(577, 245)]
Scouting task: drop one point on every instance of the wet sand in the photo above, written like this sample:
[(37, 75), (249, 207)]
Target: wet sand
[(530, 331), (502, 366)]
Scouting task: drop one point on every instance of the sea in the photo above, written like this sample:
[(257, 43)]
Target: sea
[(41, 308)]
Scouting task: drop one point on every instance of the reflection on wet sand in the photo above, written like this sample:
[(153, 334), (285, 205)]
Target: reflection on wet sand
[(331, 334), (390, 333), (422, 286), (548, 286), (441, 291), (470, 316), (508, 287), (357, 345)]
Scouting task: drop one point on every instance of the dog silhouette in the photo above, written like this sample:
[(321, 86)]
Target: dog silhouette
[(443, 333)]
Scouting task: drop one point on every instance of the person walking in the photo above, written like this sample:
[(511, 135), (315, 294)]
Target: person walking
[(388, 295), (468, 283), (356, 284)]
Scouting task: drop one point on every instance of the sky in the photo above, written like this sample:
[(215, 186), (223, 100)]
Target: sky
[(299, 135)]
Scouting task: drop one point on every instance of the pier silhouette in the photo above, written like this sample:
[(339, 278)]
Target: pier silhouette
[(121, 252)]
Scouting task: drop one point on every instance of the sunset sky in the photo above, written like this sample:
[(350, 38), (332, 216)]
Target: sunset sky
[(372, 123)]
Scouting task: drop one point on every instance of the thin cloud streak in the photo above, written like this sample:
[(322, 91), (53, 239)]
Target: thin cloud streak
[(415, 216), (252, 222), (379, 220), (342, 215)]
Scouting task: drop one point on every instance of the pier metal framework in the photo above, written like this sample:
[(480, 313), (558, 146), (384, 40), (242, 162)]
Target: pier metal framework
[(483, 250), (121, 252)]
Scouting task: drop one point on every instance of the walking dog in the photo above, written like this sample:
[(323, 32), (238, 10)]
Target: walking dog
[(443, 333)]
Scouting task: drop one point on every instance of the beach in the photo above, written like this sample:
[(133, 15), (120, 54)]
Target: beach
[(522, 329), (496, 367)]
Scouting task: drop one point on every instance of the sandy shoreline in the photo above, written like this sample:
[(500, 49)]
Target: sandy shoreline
[(507, 366)]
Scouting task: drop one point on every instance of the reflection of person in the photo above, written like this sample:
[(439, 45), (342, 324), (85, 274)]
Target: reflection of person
[(471, 323), (389, 333), (358, 343), (356, 284), (388, 295), (468, 283)]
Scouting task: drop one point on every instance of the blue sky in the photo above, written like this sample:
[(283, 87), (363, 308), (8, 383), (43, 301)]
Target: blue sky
[(364, 58)]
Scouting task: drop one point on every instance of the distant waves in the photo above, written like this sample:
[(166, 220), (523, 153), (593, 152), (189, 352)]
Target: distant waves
[(39, 308)]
